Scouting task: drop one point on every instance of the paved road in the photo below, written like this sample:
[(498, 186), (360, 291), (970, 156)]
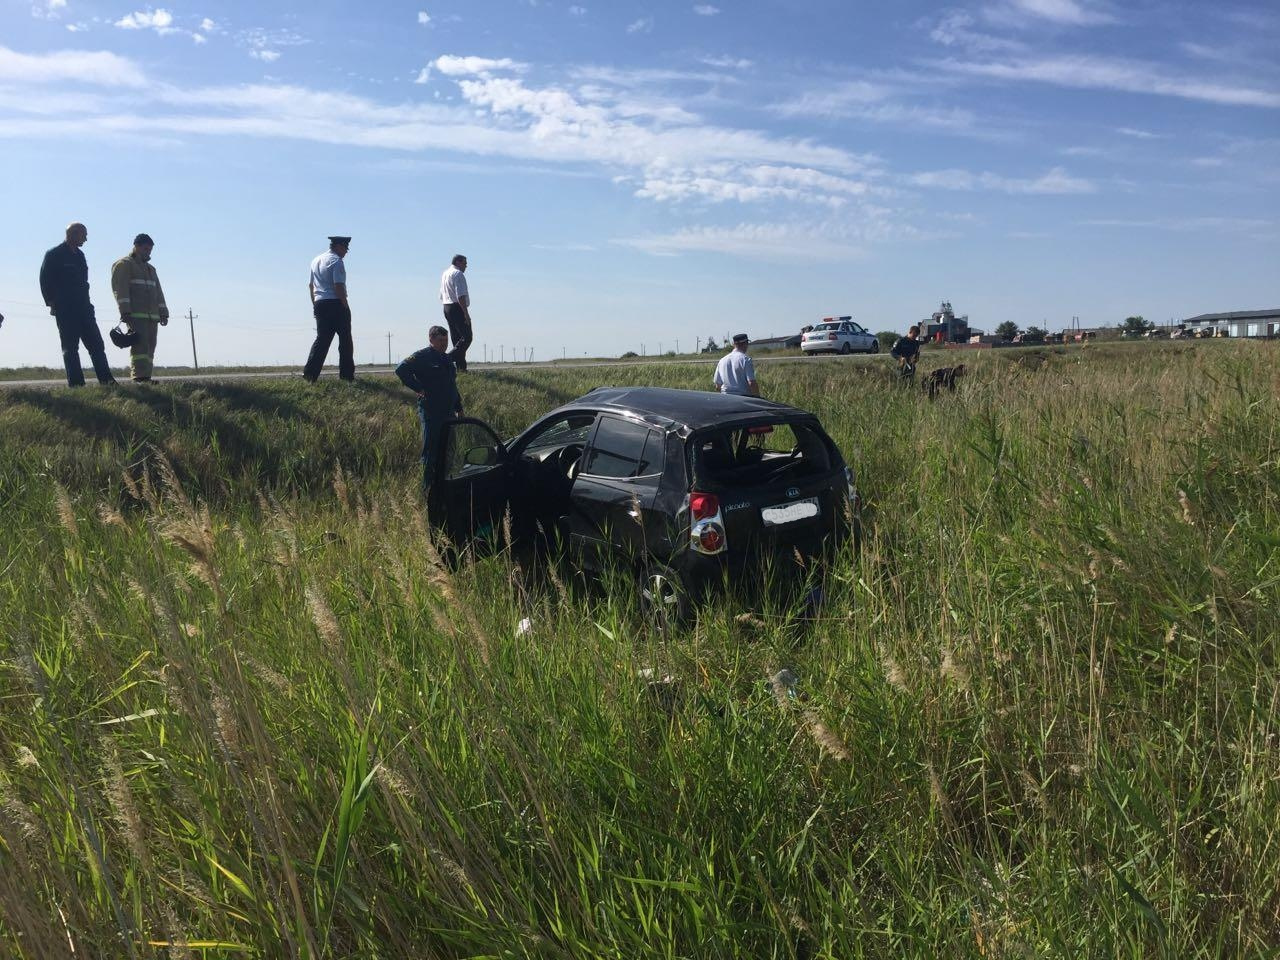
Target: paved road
[(389, 371)]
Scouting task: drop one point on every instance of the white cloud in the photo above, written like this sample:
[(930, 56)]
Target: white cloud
[(77, 27), (78, 66), (424, 75), (423, 17), (705, 10), (1055, 181), (1186, 224), (1101, 73), (643, 25), (874, 102), (1138, 134), (160, 20), (728, 63), (576, 11), (452, 66), (207, 25), (199, 38), (764, 241), (48, 9), (956, 29), (1063, 12), (265, 45)]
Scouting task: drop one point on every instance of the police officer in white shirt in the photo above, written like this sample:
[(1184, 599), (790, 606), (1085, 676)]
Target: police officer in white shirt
[(332, 312), (457, 309), (735, 373)]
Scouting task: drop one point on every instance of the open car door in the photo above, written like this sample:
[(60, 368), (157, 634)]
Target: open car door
[(470, 484)]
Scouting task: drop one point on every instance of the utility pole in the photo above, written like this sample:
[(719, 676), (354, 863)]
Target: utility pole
[(191, 319), (388, 348), (677, 344), (697, 344), (501, 354)]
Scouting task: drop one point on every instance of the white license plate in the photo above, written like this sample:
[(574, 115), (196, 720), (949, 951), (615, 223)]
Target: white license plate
[(789, 512)]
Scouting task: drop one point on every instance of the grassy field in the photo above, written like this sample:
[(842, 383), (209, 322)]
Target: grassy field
[(244, 710)]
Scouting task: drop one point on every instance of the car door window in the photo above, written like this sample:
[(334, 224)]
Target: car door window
[(472, 448), (617, 450)]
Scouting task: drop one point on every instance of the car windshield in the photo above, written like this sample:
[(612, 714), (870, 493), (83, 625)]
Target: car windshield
[(827, 326), (758, 454)]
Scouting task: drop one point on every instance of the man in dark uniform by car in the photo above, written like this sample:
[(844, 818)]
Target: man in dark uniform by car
[(64, 283), (431, 374), (331, 310), (907, 351)]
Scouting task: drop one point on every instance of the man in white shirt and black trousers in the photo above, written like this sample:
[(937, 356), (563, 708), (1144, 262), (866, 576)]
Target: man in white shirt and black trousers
[(332, 312), (457, 309), (735, 373)]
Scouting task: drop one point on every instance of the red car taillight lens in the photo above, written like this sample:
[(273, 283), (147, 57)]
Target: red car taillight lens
[(706, 526), (703, 506), (831, 336)]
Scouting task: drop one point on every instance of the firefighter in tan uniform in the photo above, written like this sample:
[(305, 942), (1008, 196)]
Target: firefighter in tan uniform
[(141, 303)]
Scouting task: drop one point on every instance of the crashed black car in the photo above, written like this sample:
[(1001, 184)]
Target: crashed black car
[(679, 486)]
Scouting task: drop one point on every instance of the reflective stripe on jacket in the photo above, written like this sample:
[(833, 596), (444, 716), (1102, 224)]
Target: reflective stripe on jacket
[(137, 289)]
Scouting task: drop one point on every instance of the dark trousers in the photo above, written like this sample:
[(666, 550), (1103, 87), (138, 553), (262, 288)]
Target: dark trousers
[(459, 333), (77, 328), (332, 317), (431, 427)]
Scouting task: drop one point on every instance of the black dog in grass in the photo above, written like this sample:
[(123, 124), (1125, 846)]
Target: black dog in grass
[(935, 380)]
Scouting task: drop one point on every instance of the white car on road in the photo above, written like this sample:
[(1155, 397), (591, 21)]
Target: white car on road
[(839, 335)]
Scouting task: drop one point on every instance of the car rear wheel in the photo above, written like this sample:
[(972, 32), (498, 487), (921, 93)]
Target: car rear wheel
[(663, 597), (845, 348), (875, 346)]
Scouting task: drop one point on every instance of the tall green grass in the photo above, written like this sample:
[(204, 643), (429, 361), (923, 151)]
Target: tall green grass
[(246, 711)]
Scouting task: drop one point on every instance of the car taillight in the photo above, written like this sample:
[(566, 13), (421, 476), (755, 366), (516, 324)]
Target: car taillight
[(706, 525), (703, 506), (831, 336), (711, 538)]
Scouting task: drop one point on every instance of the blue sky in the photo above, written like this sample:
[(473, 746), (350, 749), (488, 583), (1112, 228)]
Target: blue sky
[(624, 173)]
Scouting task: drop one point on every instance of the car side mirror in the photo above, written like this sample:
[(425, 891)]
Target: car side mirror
[(481, 456)]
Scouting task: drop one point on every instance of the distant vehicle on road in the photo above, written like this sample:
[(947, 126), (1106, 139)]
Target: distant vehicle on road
[(839, 335)]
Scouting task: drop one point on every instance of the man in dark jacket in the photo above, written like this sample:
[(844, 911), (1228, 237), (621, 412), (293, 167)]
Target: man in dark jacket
[(907, 351), (64, 282), (431, 374)]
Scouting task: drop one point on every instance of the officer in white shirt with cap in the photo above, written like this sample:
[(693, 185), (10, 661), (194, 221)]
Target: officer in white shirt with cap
[(735, 373)]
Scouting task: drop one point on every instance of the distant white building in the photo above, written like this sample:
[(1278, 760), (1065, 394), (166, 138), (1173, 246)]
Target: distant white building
[(1241, 323)]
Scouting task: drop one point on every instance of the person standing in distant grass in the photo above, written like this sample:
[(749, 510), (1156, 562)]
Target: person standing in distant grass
[(736, 373), (907, 351), (431, 374), (457, 309), (141, 302), (64, 283), (332, 311)]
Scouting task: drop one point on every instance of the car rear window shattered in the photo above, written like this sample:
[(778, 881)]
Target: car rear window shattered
[(760, 454)]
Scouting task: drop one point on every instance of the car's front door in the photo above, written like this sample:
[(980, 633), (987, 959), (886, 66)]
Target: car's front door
[(470, 484), (861, 339)]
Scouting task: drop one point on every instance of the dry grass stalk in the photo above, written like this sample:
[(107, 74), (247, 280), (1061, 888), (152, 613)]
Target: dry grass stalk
[(122, 805), (326, 623), (66, 512), (110, 516), (953, 669), (340, 487), (894, 674)]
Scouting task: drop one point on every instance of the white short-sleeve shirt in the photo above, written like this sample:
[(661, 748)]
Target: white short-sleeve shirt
[(327, 270), (733, 371), (453, 286)]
